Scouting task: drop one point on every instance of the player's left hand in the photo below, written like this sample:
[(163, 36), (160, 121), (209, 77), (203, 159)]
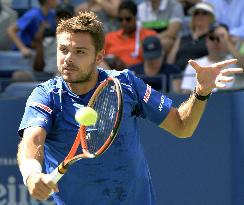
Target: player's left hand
[(214, 75)]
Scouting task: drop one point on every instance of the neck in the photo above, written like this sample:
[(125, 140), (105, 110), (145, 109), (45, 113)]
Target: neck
[(199, 31), (128, 34), (152, 70)]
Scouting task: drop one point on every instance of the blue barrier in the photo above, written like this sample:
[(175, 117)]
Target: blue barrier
[(205, 169)]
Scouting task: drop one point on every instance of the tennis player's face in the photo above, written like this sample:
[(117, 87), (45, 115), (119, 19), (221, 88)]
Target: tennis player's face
[(76, 57)]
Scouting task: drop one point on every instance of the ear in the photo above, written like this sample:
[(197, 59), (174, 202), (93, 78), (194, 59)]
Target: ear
[(99, 57)]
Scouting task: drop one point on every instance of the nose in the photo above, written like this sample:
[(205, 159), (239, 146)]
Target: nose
[(68, 58)]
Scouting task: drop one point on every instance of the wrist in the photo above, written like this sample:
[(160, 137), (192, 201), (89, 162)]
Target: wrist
[(28, 167), (201, 97)]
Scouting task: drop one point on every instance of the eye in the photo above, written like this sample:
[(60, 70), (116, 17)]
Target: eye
[(80, 52), (63, 49)]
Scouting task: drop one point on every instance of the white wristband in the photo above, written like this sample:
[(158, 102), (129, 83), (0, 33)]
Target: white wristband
[(28, 167)]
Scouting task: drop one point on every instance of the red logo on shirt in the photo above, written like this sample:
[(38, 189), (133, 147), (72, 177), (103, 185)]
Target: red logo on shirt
[(44, 107), (147, 94)]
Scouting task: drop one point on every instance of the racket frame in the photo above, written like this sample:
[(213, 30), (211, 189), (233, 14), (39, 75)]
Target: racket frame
[(62, 168)]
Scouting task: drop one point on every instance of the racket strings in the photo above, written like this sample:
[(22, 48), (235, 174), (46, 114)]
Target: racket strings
[(106, 106)]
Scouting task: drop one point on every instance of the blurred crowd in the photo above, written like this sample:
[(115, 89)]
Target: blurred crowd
[(153, 38)]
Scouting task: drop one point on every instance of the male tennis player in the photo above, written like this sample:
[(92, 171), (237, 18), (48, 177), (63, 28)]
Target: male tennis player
[(48, 127)]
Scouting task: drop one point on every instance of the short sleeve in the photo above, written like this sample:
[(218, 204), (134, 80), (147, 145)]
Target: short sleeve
[(26, 20), (38, 111), (153, 105)]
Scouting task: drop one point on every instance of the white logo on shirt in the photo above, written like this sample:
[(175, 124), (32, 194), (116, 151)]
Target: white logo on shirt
[(160, 107), (147, 94)]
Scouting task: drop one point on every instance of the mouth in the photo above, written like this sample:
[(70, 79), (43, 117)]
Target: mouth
[(69, 69)]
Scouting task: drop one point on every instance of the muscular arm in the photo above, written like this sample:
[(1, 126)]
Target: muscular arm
[(31, 147), (183, 121)]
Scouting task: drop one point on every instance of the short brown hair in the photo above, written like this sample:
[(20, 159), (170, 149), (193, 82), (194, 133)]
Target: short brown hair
[(84, 22)]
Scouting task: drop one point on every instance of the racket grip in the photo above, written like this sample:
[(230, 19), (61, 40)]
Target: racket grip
[(55, 176)]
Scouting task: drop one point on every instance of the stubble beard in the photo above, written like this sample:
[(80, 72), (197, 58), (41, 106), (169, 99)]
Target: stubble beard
[(80, 79)]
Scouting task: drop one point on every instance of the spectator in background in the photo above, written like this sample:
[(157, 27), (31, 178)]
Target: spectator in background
[(111, 62), (106, 10), (230, 13), (7, 17), (193, 46), (165, 17), (22, 6), (28, 32), (154, 66), (46, 52), (188, 4), (125, 43), (220, 47)]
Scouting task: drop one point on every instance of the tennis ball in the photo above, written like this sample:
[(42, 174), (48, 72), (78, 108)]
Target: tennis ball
[(86, 116)]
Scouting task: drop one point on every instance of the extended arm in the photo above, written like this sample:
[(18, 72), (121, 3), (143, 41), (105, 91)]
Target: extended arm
[(183, 121)]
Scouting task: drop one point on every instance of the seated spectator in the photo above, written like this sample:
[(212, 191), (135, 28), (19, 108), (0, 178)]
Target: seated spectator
[(45, 59), (187, 6), (125, 42), (219, 48), (154, 66), (106, 10), (28, 32), (193, 46), (230, 13), (165, 17), (7, 17)]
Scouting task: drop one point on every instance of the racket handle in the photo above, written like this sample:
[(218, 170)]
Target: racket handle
[(55, 176)]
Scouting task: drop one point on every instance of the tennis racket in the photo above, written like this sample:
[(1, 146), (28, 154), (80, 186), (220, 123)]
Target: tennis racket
[(96, 139)]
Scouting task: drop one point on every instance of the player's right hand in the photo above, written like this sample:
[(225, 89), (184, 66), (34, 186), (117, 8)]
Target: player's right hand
[(40, 186)]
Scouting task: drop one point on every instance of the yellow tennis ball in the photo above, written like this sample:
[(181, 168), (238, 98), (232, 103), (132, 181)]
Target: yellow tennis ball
[(86, 116)]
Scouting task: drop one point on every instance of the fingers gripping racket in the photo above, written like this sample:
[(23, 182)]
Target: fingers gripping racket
[(96, 139)]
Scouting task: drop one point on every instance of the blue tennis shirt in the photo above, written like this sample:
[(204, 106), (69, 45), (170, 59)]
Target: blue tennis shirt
[(120, 175)]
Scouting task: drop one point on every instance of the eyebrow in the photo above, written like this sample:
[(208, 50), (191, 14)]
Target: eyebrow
[(80, 48)]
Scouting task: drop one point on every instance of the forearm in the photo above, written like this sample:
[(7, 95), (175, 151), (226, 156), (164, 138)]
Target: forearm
[(110, 7), (30, 151), (172, 31), (183, 121), (190, 113), (12, 33), (27, 150)]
